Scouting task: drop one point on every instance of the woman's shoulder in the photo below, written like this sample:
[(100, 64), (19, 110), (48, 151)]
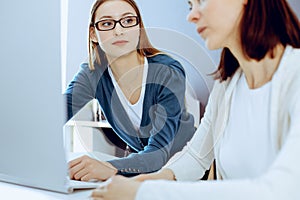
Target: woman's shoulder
[(291, 56), (85, 74), (289, 67), (84, 68), (84, 71), (161, 58), (166, 60), (289, 70)]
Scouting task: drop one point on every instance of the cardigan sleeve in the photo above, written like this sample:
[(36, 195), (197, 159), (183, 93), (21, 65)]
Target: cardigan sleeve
[(280, 181), (169, 127), (79, 91), (197, 156)]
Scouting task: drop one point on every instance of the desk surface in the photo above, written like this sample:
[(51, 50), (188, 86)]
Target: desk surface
[(93, 124), (16, 192)]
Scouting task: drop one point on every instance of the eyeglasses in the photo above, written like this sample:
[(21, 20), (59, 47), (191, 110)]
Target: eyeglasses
[(109, 24)]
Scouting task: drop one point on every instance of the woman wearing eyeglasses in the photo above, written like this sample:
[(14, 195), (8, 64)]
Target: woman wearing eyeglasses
[(140, 90), (251, 126)]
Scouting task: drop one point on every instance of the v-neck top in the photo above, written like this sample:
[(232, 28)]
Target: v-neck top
[(134, 111)]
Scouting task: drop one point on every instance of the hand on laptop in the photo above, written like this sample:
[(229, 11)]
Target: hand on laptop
[(85, 168)]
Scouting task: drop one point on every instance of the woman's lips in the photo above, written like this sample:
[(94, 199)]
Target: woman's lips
[(120, 42), (200, 30)]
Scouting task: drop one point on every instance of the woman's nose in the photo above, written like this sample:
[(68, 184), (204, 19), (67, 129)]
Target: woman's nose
[(194, 15), (118, 30)]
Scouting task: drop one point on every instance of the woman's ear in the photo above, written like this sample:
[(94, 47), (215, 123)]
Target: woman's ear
[(93, 35)]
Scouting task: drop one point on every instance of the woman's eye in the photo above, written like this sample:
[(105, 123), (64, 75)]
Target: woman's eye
[(198, 2), (128, 21), (190, 5), (107, 23)]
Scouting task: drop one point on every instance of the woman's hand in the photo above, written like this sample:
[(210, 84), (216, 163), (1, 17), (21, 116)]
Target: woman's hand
[(86, 168), (165, 174), (120, 188)]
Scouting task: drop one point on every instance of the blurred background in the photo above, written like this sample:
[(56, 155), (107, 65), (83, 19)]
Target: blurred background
[(165, 14)]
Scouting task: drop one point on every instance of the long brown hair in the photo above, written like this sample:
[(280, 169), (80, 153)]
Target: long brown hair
[(96, 54), (265, 24)]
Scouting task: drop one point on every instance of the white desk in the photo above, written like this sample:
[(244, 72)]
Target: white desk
[(83, 135), (94, 124), (15, 192)]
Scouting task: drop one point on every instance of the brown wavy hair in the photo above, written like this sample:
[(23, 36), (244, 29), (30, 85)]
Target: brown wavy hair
[(96, 54), (265, 23)]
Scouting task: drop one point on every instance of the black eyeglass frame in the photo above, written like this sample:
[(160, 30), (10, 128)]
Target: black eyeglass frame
[(115, 23)]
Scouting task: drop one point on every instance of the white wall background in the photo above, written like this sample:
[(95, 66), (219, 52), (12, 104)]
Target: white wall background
[(168, 14), (295, 4)]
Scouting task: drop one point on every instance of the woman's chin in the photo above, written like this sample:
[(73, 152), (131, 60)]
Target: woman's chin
[(119, 54), (211, 46)]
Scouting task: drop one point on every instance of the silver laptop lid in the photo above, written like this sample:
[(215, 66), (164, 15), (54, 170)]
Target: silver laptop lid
[(32, 108)]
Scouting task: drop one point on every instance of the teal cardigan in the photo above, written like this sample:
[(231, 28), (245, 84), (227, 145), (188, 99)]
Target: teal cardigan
[(165, 127)]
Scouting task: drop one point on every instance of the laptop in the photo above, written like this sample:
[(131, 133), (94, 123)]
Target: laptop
[(32, 108)]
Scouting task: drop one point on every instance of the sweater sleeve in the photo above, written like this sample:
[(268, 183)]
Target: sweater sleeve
[(280, 181), (170, 127), (79, 91), (197, 156)]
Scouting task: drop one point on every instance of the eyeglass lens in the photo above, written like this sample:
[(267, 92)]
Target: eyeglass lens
[(109, 24)]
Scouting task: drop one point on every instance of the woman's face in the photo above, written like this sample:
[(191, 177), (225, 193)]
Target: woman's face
[(217, 21), (118, 41)]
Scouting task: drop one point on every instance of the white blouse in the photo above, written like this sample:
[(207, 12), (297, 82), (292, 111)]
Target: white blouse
[(248, 130), (134, 111), (276, 178)]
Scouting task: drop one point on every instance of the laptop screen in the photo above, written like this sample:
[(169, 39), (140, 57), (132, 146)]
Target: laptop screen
[(32, 111)]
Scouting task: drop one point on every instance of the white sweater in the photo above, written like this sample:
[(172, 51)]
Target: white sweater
[(280, 181)]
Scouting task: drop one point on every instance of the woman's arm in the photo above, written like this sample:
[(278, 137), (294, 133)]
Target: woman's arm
[(281, 180), (79, 91), (163, 174), (168, 125), (192, 162)]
